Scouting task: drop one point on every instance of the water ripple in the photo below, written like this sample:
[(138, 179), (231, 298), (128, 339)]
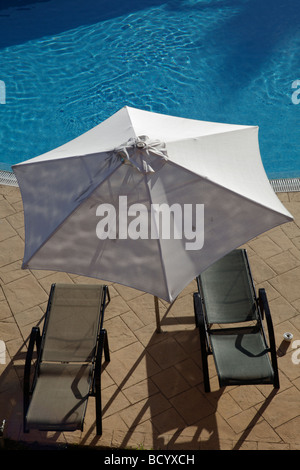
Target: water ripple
[(171, 58)]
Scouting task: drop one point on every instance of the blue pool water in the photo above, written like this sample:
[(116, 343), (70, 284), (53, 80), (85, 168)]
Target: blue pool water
[(69, 64)]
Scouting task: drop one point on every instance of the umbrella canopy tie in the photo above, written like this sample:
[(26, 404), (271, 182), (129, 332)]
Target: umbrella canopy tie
[(136, 151)]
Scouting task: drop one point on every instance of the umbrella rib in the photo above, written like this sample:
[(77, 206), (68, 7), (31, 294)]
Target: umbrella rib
[(158, 240)]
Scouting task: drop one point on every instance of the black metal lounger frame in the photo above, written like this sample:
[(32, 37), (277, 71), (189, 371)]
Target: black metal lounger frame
[(37, 339), (262, 309)]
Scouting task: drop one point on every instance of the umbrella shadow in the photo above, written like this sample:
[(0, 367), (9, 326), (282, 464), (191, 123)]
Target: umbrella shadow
[(255, 419), (11, 390), (176, 414)]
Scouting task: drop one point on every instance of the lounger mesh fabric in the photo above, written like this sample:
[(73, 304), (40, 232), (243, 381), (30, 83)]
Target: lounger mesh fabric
[(59, 398), (73, 326), (227, 290), (51, 407), (241, 356)]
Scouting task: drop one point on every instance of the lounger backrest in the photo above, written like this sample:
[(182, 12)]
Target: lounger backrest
[(72, 323), (228, 291)]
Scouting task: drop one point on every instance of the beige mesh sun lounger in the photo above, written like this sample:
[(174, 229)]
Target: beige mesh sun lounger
[(69, 359)]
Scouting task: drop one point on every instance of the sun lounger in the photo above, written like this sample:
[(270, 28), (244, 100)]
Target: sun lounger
[(69, 359), (230, 319)]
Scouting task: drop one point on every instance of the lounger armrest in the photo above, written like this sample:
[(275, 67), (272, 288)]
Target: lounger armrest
[(198, 309), (265, 310), (198, 284), (96, 385), (108, 296), (35, 339), (204, 342)]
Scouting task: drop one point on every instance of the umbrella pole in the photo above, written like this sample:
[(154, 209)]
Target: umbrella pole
[(158, 328)]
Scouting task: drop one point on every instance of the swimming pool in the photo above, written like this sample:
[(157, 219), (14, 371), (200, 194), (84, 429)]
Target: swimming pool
[(69, 64)]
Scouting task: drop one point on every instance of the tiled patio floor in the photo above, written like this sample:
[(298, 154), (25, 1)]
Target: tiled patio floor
[(152, 389)]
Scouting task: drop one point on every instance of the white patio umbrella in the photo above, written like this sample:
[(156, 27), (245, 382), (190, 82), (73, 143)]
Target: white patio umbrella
[(146, 200)]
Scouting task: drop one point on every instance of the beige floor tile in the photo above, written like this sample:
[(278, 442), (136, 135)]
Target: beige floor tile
[(8, 330), (190, 371), (141, 390), (265, 247), (147, 335), (5, 311), (54, 278), (214, 428), (167, 421), (11, 249), (280, 238), (261, 432), (289, 431), (113, 401), (287, 284), (192, 405), (188, 340), (24, 293), (116, 307), (283, 262), (127, 293), (283, 408), (170, 382), (247, 396), (6, 208), (119, 335), (144, 410), (281, 310), (260, 270), (132, 320), (6, 230), (29, 317), (12, 272), (144, 307), (167, 352), (130, 365)]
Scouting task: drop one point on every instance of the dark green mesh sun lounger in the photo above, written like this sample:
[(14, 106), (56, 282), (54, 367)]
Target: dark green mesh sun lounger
[(230, 321), (69, 357)]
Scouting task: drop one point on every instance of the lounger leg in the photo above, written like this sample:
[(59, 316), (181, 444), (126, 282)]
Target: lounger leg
[(98, 412), (97, 394), (156, 305), (35, 339), (103, 340), (199, 319), (264, 306), (204, 363), (106, 348)]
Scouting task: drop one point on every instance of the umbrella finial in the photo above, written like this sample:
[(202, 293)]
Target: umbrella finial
[(131, 150)]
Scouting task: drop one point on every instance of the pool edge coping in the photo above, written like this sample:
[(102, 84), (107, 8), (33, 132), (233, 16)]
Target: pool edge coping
[(280, 185)]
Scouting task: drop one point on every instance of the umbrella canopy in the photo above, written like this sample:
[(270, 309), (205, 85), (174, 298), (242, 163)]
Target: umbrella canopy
[(146, 200)]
